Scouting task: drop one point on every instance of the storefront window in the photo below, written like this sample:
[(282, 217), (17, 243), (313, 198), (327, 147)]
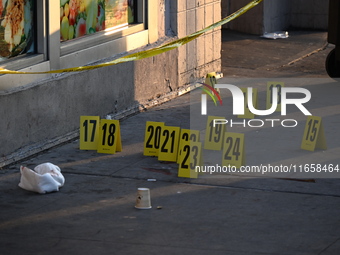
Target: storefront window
[(83, 17), (16, 28)]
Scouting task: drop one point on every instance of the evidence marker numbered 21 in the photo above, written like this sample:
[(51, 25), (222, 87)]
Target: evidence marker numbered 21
[(169, 139)]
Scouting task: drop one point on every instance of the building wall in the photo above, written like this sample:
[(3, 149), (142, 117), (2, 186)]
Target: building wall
[(311, 14), (276, 15), (203, 54), (42, 111), (250, 22)]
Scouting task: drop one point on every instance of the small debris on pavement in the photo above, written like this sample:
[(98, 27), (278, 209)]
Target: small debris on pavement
[(276, 35)]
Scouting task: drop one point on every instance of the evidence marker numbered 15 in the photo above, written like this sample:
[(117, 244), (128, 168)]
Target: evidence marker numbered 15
[(314, 135)]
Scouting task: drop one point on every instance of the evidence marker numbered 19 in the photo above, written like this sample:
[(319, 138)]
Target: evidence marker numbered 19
[(314, 135), (153, 131), (214, 134), (233, 150)]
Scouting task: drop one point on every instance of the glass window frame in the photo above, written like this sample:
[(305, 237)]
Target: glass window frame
[(50, 49), (107, 35), (40, 42)]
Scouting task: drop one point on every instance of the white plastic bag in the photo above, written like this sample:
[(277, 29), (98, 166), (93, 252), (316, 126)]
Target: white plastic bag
[(276, 35), (45, 178)]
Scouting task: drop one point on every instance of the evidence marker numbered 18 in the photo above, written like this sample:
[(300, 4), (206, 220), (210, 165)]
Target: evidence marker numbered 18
[(168, 148), (89, 130), (109, 137), (153, 131), (314, 135), (233, 150), (191, 156)]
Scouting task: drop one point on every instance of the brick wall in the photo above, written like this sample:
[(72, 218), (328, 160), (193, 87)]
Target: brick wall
[(202, 55)]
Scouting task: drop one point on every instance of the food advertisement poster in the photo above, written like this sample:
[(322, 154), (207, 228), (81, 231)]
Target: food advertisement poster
[(16, 27), (83, 17)]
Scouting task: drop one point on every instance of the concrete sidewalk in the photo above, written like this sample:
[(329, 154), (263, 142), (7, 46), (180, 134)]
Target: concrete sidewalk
[(302, 54), (94, 212)]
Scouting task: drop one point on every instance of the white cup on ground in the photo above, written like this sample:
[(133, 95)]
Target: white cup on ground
[(143, 200)]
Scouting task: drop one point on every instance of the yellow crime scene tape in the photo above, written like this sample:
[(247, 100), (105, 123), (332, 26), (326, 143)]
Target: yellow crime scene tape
[(151, 52)]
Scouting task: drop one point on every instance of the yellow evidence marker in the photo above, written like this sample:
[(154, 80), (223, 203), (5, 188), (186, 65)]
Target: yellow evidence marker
[(247, 113), (314, 135), (190, 157), (169, 140), (187, 135), (210, 79), (233, 150), (214, 133), (89, 130), (109, 137), (269, 101), (152, 137)]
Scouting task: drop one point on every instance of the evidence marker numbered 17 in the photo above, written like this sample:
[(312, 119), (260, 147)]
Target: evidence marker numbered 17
[(89, 130)]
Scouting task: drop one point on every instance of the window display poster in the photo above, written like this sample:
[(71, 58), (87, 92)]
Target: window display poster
[(16, 27), (83, 17)]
